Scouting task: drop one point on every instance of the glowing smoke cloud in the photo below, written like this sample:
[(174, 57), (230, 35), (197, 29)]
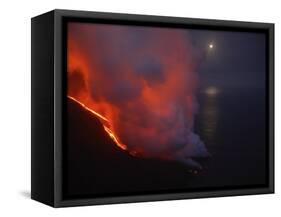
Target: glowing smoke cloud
[(144, 81)]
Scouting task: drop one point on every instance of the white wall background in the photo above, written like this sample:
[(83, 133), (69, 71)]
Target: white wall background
[(15, 107)]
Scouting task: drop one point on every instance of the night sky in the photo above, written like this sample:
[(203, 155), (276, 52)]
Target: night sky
[(237, 60)]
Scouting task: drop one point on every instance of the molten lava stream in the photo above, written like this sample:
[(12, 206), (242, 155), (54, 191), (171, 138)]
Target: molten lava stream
[(108, 128)]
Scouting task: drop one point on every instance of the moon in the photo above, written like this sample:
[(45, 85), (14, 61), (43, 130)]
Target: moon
[(211, 45)]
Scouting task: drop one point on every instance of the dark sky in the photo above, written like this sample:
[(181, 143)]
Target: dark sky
[(238, 59)]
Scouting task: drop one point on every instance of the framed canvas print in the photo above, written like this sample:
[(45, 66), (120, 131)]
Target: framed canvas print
[(129, 108)]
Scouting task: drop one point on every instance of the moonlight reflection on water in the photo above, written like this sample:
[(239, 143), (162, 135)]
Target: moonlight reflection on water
[(210, 114)]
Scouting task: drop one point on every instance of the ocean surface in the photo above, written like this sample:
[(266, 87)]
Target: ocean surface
[(232, 124)]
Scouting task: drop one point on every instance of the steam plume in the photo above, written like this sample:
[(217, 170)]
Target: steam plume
[(144, 81)]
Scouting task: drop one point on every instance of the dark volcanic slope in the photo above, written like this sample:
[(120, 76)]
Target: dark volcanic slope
[(94, 165)]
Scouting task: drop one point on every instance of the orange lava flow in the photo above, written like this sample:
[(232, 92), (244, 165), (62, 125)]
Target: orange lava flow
[(107, 129), (114, 137), (88, 109)]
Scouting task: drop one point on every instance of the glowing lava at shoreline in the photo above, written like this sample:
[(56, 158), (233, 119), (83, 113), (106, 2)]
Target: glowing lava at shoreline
[(104, 121)]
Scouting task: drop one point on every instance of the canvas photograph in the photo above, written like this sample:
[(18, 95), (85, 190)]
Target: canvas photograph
[(156, 109)]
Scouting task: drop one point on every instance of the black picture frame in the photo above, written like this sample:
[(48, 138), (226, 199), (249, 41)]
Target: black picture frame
[(48, 91)]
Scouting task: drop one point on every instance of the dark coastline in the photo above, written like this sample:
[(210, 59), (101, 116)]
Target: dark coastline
[(230, 123)]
